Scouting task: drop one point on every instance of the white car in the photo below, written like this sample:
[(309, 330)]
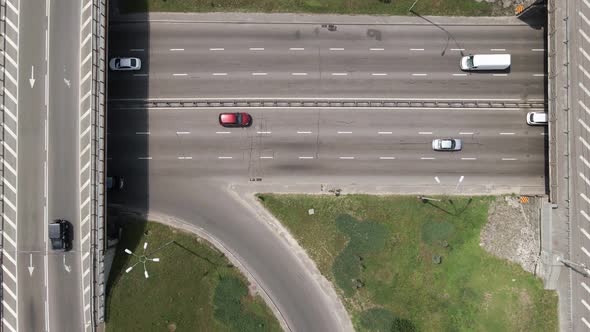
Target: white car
[(446, 144), (536, 118), (122, 64)]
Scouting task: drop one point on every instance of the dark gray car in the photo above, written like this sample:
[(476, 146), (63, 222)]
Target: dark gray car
[(60, 235)]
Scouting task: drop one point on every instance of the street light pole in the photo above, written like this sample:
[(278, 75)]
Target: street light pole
[(410, 9), (143, 258)]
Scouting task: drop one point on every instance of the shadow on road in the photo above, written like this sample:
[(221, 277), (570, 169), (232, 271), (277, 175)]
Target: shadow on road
[(125, 143)]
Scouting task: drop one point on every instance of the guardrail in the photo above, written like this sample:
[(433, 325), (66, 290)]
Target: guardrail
[(551, 99), (99, 44), (330, 103)]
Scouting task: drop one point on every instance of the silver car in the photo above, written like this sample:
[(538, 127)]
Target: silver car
[(122, 64), (446, 144)]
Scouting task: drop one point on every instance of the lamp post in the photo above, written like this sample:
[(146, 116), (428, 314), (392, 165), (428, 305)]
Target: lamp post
[(143, 259), (410, 9)]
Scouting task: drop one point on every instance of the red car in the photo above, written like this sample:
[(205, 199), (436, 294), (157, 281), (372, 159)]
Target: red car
[(235, 119)]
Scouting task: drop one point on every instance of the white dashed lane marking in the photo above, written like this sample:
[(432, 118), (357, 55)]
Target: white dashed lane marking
[(217, 49), (296, 49)]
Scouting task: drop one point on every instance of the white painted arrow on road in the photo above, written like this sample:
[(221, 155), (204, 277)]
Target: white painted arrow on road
[(67, 267), (32, 79), (31, 267)]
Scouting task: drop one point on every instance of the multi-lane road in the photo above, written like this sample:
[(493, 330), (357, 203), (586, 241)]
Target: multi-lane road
[(49, 283), (306, 60), (180, 161)]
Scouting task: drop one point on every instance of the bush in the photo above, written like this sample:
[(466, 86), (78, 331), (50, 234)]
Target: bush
[(382, 320)]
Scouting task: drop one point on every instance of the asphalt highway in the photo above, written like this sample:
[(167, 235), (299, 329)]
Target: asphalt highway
[(49, 285), (331, 142), (306, 60), (181, 161)]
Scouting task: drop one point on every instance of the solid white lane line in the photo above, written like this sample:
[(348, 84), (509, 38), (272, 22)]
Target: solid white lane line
[(460, 74), (497, 49), (183, 132), (386, 158), (584, 88), (304, 132), (499, 75), (587, 254), (176, 49), (509, 159), (585, 215), (457, 49), (583, 301), (296, 49), (585, 161), (585, 233), (538, 75), (305, 157), (580, 67), (346, 158), (585, 322), (538, 49), (468, 158), (427, 158), (266, 157), (223, 132), (339, 74), (256, 48), (345, 132), (585, 178), (136, 50), (140, 75), (184, 158), (224, 157), (416, 49), (142, 133), (219, 74), (379, 74), (465, 133), (384, 132), (506, 133), (336, 49), (144, 158), (299, 74), (259, 74), (424, 133), (180, 74), (585, 286), (264, 132), (376, 49), (217, 49), (585, 198), (419, 74)]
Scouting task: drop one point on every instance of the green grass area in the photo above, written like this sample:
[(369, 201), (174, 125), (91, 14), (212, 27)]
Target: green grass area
[(403, 265), (376, 7), (193, 287)]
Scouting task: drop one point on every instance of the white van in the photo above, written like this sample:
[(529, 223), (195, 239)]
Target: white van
[(485, 62)]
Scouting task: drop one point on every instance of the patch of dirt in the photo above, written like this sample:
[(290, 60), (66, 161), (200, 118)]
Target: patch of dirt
[(512, 231)]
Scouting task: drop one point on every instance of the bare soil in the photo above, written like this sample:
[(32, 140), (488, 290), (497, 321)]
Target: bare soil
[(512, 231)]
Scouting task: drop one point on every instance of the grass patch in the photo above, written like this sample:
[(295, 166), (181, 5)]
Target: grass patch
[(193, 287), (376, 7), (403, 265)]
